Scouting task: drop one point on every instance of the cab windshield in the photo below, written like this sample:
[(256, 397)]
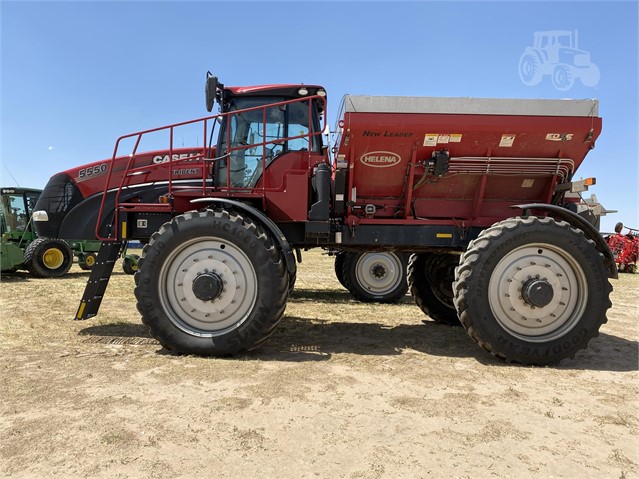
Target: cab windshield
[(267, 133), (15, 211)]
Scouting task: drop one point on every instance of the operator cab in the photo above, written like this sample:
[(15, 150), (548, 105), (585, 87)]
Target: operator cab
[(16, 206), (271, 121)]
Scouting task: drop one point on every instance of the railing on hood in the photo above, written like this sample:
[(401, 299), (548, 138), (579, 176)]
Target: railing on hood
[(203, 155)]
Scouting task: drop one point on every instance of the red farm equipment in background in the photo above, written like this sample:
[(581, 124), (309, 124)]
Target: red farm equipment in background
[(625, 248), (474, 191)]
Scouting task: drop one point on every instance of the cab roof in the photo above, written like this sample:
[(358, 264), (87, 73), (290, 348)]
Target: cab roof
[(289, 89)]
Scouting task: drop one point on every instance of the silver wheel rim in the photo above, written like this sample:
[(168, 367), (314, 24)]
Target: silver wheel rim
[(547, 263), (379, 273), (227, 311)]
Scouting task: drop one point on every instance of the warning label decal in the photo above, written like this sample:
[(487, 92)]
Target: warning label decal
[(432, 139), (507, 140)]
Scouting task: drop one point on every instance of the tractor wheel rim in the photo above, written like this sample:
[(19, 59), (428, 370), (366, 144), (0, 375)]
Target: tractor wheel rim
[(562, 292), (53, 258), (228, 309), (89, 260), (379, 273)]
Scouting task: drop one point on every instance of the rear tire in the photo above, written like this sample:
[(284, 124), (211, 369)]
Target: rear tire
[(375, 277), (530, 69), (48, 257), (532, 290), (211, 283), (430, 277)]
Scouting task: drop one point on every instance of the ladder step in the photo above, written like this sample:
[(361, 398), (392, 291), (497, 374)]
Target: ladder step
[(98, 279)]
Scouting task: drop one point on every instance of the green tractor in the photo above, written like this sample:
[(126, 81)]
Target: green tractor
[(20, 247)]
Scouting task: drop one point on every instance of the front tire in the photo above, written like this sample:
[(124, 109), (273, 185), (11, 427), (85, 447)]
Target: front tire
[(532, 290), (562, 77), (211, 283), (48, 257)]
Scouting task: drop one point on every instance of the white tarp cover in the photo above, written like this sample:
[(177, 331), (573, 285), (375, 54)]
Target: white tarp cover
[(470, 106)]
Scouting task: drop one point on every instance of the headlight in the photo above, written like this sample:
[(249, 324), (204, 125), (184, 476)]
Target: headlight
[(40, 215)]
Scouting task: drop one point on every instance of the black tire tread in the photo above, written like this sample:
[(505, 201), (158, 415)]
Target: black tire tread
[(339, 267), (272, 318), (466, 270), (421, 297), (33, 260)]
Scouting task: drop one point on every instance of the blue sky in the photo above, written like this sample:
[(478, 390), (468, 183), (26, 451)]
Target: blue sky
[(76, 75)]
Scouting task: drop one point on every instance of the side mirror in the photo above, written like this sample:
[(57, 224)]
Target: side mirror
[(210, 90)]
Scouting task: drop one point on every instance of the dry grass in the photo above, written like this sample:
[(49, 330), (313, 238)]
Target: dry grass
[(342, 389)]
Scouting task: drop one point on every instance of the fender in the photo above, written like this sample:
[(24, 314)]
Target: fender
[(542, 55), (578, 222), (275, 231)]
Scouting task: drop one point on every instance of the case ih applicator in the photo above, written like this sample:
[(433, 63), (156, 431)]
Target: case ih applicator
[(473, 189), (625, 248)]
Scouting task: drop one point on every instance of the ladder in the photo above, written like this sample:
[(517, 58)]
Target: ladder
[(98, 279)]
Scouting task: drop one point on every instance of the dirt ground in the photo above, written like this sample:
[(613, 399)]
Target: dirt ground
[(341, 390)]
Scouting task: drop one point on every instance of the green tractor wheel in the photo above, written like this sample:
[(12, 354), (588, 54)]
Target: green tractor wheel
[(87, 261), (48, 258), (130, 263)]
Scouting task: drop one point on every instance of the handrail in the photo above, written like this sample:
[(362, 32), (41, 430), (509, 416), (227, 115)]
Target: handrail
[(131, 170)]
